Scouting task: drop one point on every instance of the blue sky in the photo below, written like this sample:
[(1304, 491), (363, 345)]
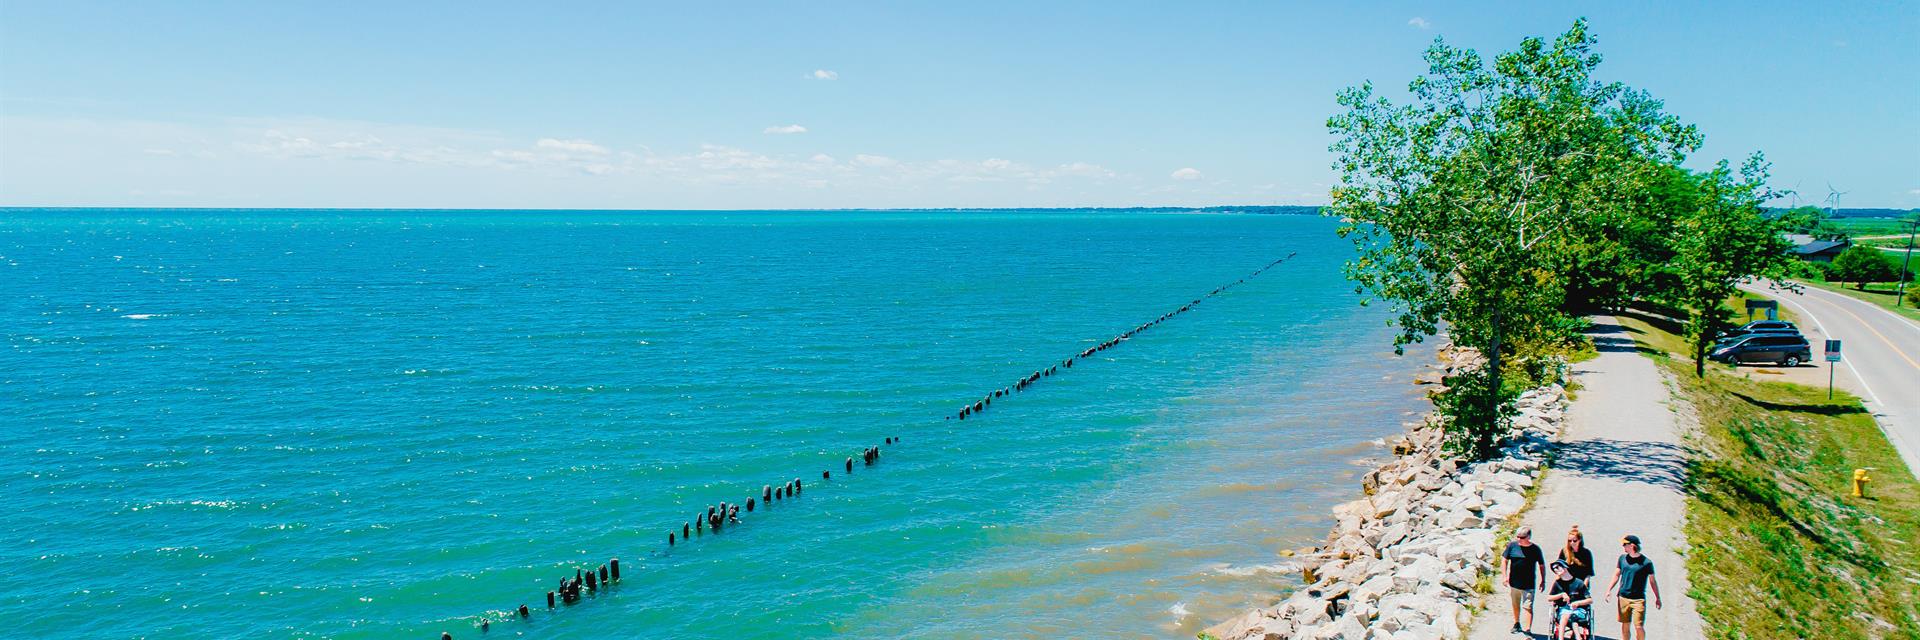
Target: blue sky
[(793, 105)]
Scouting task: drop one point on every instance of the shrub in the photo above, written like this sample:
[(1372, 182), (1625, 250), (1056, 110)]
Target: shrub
[(1474, 430), (1861, 265)]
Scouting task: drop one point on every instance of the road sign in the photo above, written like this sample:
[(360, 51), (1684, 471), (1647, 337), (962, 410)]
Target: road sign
[(1833, 355), (1770, 306)]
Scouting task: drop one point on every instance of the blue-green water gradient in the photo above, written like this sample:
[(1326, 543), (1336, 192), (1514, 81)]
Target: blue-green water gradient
[(386, 424)]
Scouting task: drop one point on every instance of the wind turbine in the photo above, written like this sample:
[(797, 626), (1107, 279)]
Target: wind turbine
[(1833, 200)]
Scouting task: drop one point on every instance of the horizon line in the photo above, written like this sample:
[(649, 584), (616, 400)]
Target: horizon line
[(715, 210)]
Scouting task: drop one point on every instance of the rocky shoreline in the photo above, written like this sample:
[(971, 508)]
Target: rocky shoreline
[(1403, 561)]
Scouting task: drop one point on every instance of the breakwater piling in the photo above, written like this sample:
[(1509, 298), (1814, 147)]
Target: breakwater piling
[(599, 580)]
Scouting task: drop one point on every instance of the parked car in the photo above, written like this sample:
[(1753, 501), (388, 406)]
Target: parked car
[(1760, 326), (1730, 336), (1787, 350)]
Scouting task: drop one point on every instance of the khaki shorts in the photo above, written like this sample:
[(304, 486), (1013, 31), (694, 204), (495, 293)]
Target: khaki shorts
[(1633, 611), (1517, 596)]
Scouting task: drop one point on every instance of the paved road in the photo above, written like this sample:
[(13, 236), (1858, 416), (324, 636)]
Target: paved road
[(1882, 358), (1619, 470)]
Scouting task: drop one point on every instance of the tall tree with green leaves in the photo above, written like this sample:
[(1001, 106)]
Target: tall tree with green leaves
[(1720, 237), (1861, 264), (1463, 200)]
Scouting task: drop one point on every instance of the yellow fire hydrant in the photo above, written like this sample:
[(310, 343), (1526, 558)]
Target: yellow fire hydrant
[(1860, 481)]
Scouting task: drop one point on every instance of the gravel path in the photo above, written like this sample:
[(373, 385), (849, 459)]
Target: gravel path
[(1619, 472)]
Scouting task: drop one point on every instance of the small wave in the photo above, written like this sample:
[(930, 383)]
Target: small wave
[(1258, 569), (144, 316), (430, 372), (1179, 610), (204, 504)]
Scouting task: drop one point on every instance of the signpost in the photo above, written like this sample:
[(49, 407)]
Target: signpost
[(1772, 308), (1833, 357)]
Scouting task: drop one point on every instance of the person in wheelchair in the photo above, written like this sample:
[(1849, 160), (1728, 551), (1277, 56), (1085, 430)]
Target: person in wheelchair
[(1572, 602)]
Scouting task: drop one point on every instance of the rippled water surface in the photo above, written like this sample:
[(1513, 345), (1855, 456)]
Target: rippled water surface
[(383, 424)]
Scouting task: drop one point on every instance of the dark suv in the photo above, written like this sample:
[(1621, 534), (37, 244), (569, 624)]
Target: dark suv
[(1757, 326), (1785, 349)]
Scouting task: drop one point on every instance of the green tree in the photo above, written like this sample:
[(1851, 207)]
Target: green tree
[(1625, 253), (1464, 201), (1861, 264), (1720, 238)]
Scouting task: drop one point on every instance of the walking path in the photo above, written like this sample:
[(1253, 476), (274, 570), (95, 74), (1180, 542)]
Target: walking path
[(1619, 471)]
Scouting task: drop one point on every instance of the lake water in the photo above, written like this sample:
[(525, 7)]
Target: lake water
[(385, 424)]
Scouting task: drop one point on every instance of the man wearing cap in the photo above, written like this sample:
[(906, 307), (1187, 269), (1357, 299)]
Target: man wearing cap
[(1523, 563), (1572, 603), (1632, 577)]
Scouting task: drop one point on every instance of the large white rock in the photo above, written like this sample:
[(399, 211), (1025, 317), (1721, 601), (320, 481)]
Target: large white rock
[(1459, 519)]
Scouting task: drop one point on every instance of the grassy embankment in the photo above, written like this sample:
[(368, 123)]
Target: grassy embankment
[(1879, 294), (1779, 547)]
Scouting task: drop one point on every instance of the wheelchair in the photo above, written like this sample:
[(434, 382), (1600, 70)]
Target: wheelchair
[(1578, 628)]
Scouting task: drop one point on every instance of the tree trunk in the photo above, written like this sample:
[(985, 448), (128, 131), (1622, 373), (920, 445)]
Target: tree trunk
[(1699, 358), (1493, 382)]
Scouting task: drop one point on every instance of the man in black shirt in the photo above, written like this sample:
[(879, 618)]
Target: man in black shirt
[(1522, 564), (1632, 578), (1572, 604)]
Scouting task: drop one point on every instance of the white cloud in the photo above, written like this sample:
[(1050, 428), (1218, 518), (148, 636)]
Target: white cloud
[(1083, 170), (823, 74), (1420, 23), (573, 146), (319, 162), (792, 128), (1187, 173)]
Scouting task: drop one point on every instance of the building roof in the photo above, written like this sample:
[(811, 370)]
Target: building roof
[(1821, 246)]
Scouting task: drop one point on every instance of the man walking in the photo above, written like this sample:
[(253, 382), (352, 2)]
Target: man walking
[(1632, 577), (1524, 572)]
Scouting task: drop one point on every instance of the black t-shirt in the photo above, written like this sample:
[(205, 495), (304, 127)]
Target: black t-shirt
[(1582, 569), (1633, 576), (1525, 562), (1576, 590)]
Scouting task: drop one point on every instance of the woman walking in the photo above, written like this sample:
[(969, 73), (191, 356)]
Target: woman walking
[(1578, 558)]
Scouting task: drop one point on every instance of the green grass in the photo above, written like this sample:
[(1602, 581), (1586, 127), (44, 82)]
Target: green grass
[(1897, 242), (1779, 548), (1870, 226), (1881, 295)]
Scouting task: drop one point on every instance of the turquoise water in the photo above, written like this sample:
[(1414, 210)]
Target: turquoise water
[(380, 424)]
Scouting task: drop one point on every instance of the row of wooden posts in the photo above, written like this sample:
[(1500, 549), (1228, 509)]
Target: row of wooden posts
[(986, 401), (717, 517)]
